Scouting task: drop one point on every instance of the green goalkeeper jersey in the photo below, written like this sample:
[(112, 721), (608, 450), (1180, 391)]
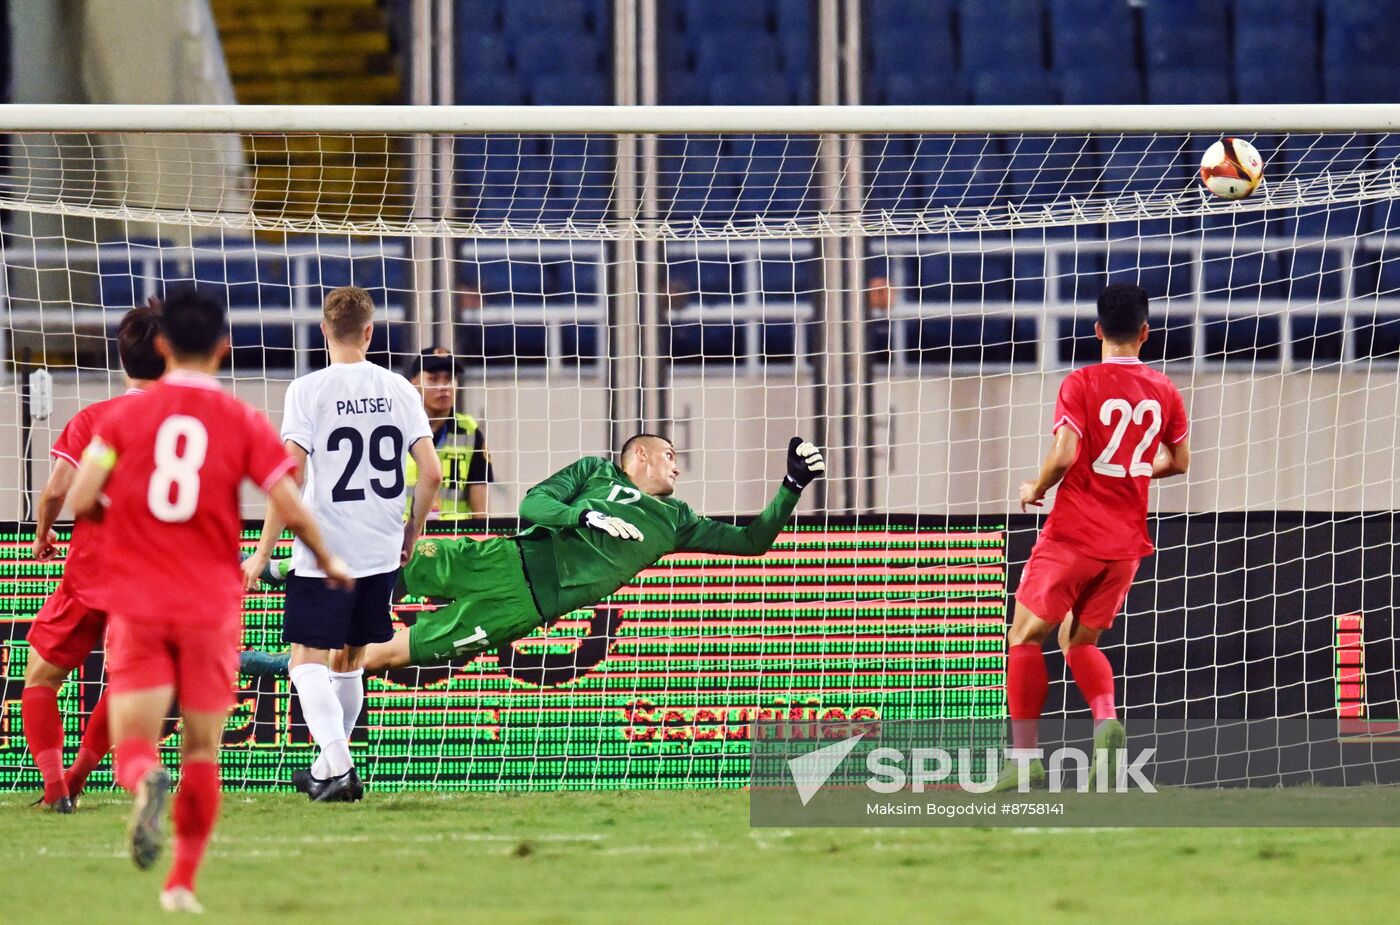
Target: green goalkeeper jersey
[(571, 566)]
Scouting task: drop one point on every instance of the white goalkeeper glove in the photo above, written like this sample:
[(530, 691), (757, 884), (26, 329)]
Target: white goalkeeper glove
[(612, 526), (804, 464)]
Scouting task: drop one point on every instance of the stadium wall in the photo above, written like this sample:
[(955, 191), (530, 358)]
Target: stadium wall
[(1313, 441)]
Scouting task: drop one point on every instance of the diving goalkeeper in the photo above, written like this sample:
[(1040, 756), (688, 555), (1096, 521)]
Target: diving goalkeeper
[(596, 525)]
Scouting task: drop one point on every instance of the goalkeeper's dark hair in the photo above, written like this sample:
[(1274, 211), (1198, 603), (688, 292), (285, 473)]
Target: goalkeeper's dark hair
[(632, 440), (1122, 311), (193, 322), (136, 342)]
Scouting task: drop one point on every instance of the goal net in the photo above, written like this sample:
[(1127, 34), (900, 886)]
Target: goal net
[(909, 300)]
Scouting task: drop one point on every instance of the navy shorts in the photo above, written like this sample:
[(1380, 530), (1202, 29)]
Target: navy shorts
[(323, 618)]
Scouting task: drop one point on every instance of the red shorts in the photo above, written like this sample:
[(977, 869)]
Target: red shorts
[(200, 660), (1059, 580), (65, 631)]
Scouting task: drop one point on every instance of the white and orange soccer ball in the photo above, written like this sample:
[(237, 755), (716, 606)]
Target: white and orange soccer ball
[(1232, 168)]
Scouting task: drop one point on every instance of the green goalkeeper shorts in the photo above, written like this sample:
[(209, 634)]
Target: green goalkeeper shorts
[(491, 600)]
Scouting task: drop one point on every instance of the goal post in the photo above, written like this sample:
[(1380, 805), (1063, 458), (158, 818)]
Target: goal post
[(905, 285)]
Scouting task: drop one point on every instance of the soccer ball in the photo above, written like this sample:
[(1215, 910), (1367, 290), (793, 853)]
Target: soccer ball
[(1232, 168)]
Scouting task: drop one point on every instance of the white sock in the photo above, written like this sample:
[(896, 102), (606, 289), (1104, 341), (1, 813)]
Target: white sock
[(324, 717), (349, 687)]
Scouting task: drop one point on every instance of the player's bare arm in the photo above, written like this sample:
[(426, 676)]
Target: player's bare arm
[(284, 504), (1062, 455), (272, 524), (50, 504), (1171, 460), (424, 491)]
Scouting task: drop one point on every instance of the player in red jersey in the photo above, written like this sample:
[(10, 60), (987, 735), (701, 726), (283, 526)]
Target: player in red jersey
[(1118, 425), (172, 461), (68, 626)]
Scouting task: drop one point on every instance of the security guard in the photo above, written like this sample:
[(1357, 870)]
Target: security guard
[(461, 444)]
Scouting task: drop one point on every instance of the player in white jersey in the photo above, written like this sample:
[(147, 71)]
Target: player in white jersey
[(348, 426)]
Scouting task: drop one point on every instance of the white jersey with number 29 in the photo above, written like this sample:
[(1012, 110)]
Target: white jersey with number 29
[(356, 422)]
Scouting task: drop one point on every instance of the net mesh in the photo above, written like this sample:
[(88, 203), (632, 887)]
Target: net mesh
[(912, 301)]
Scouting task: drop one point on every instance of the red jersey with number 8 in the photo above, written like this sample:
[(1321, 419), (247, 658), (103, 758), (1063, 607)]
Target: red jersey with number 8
[(1122, 411), (171, 530)]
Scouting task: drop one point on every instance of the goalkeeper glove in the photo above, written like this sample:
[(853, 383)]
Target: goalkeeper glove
[(804, 464), (612, 526)]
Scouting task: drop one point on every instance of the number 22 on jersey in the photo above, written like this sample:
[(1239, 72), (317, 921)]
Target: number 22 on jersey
[(173, 492), (1125, 414)]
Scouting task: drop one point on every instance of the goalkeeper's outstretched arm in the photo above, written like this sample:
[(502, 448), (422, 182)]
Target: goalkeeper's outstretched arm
[(804, 465)]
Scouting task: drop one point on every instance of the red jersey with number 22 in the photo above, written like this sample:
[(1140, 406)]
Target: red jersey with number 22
[(1122, 411), (171, 531)]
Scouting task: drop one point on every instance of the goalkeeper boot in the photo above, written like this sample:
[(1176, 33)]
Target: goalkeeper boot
[(1110, 738), (1009, 779), (301, 780), (258, 663), (145, 834), (357, 787), (334, 790)]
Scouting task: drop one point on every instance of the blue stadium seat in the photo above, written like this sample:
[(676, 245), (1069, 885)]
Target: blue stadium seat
[(720, 15), (1092, 87), (511, 282), (683, 88), (991, 34), (1359, 32), (1098, 31), (1044, 169), (797, 35), (570, 89), (1109, 50), (890, 173), (1243, 275), (489, 90), (243, 282), (557, 52), (1275, 81), (477, 15), (736, 52), (386, 277), (1163, 275), (481, 53), (1194, 86), (1014, 87), (912, 53), (931, 88), (691, 182), (1141, 164), (524, 19), (1356, 81), (778, 173), (574, 280), (1185, 33), (961, 171), (1114, 15), (729, 89), (1312, 274), (980, 277), (908, 15)]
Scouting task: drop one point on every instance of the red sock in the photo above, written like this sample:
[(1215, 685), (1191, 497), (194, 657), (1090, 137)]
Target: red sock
[(1026, 685), (196, 808), (135, 757), (1094, 676), (43, 730), (97, 742)]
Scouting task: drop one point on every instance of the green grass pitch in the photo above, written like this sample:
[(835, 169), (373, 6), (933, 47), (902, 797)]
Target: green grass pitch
[(679, 857)]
